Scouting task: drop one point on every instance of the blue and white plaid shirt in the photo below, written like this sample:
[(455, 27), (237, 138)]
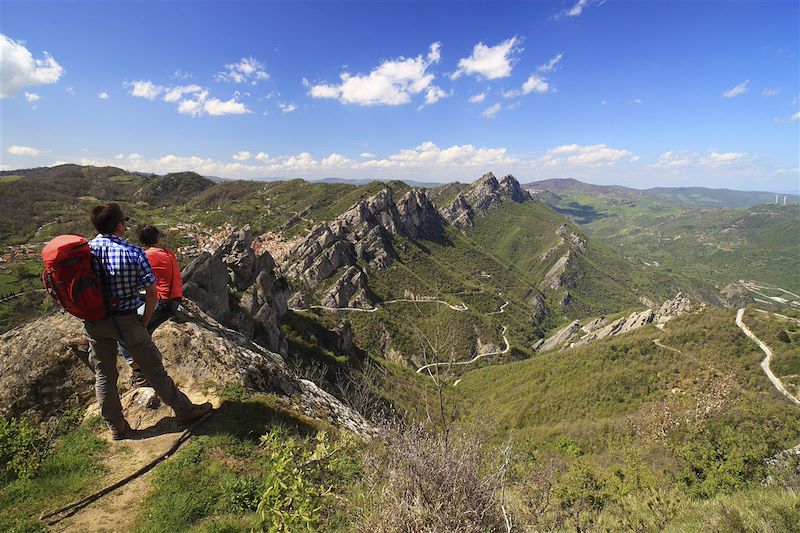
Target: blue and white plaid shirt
[(127, 270)]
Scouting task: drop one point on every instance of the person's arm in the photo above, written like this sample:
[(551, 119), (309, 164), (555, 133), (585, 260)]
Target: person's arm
[(150, 300)]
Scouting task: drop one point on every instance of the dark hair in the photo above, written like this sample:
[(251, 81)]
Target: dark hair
[(106, 217), (148, 234)]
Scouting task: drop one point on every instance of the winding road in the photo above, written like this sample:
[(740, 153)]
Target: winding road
[(477, 357), (765, 363)]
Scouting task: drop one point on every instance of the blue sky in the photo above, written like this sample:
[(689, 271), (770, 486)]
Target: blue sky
[(631, 93)]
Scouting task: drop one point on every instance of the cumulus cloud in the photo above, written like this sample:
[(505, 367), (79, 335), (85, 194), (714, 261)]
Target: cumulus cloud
[(393, 82), (287, 108), (478, 98), (635, 101), (103, 95), (534, 84), (736, 90), (31, 97), (770, 92), (711, 160), (367, 155), (247, 70), (790, 118), (145, 89), (23, 150), (434, 94), (19, 69), (490, 62), (591, 155), (337, 161), (174, 94), (672, 159), (244, 155), (263, 157), (216, 107), (551, 65), (717, 159), (491, 111)]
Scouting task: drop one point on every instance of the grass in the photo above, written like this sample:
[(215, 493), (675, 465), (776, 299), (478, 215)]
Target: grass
[(10, 178), (72, 469)]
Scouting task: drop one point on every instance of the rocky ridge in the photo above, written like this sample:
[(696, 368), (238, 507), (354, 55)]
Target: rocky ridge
[(579, 334), (241, 289), (484, 193), (575, 244), (362, 235), (41, 375)]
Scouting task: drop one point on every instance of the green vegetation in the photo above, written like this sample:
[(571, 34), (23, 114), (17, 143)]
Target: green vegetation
[(711, 235), (45, 478)]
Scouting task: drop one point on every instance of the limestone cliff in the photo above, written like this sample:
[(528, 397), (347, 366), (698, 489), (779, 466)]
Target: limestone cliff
[(486, 192)]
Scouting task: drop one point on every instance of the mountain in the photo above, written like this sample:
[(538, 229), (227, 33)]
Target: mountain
[(699, 197), (704, 234)]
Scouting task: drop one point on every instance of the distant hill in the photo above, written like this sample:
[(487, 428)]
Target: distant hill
[(680, 196)]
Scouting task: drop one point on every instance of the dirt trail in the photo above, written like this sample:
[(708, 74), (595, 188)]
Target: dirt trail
[(657, 342), (462, 307), (765, 363), (479, 356), (118, 510)]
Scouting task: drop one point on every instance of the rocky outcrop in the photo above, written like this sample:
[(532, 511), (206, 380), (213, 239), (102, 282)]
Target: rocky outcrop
[(240, 288), (41, 376), (570, 244), (578, 335), (362, 235), (735, 295), (486, 192), (350, 290)]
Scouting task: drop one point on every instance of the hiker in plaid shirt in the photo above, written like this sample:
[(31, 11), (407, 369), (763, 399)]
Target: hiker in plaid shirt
[(126, 271)]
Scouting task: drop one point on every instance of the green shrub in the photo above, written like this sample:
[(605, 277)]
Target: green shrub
[(21, 448), (299, 480)]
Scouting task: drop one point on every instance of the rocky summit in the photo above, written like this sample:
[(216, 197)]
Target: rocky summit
[(483, 194), (241, 289)]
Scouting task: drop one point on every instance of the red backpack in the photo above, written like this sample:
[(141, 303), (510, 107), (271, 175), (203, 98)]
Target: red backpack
[(69, 278)]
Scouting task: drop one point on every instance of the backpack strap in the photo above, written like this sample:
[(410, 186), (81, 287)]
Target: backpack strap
[(101, 267)]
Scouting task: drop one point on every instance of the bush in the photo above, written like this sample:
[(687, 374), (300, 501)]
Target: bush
[(424, 481), (21, 446), (300, 480)]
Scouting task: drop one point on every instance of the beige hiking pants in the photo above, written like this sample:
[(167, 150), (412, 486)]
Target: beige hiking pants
[(103, 339)]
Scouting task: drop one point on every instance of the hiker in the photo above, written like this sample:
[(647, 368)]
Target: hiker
[(126, 271), (169, 290)]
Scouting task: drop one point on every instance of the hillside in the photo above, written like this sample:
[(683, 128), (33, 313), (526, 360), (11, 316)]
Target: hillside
[(692, 232)]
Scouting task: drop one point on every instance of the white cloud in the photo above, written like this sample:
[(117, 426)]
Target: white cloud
[(712, 160), (216, 107), (244, 155), (23, 150), (578, 8), (181, 75), (534, 84), (192, 108), (434, 94), (287, 108), (102, 95), (134, 156), (478, 98), (337, 161), (367, 155), (790, 118), (173, 94), (31, 97), (491, 111), (145, 89), (737, 90), (19, 69), (717, 159), (635, 101), (263, 157), (591, 155), (247, 70), (770, 92), (491, 62), (393, 82), (550, 66)]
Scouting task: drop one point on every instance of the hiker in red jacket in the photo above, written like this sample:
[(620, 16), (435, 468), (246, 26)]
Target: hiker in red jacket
[(169, 289), (125, 270)]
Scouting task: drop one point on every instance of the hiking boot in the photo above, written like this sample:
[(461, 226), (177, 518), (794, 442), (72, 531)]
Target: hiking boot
[(122, 434), (138, 379), (194, 412)]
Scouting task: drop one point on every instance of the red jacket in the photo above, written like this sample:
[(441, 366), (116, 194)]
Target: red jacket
[(167, 273)]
